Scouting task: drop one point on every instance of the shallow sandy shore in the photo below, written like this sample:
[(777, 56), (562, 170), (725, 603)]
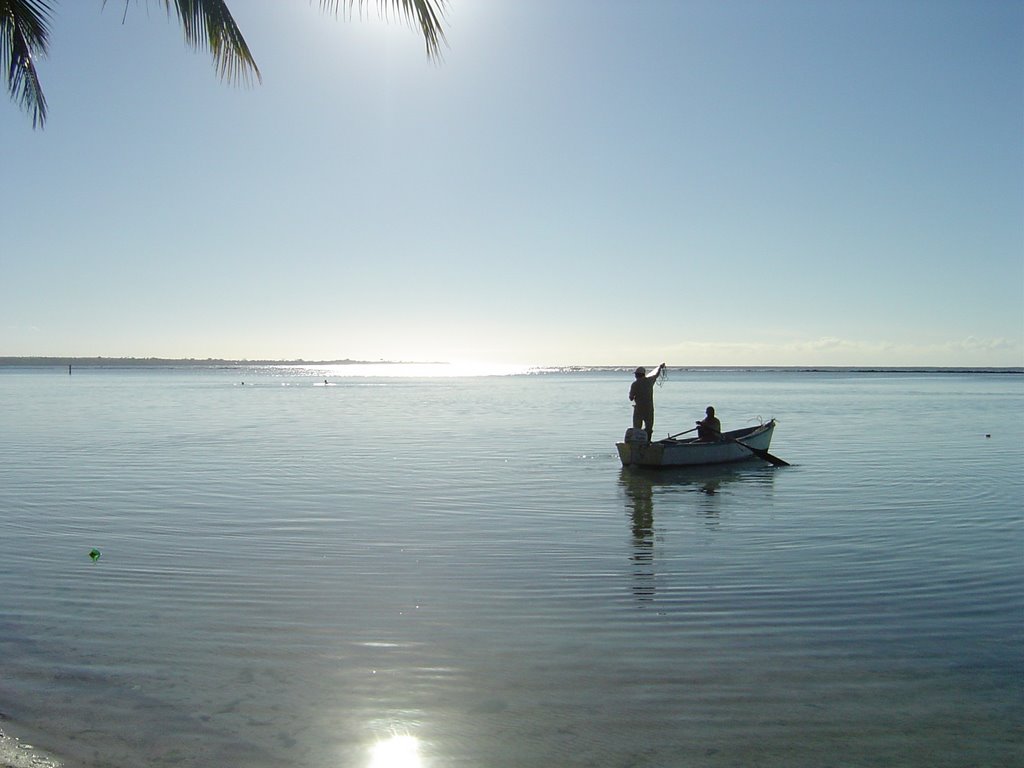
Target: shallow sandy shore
[(15, 753)]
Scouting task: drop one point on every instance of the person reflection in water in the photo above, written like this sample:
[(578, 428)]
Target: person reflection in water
[(709, 429), (641, 392), (640, 506)]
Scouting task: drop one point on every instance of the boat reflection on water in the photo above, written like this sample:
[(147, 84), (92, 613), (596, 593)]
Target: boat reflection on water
[(671, 486), (642, 484)]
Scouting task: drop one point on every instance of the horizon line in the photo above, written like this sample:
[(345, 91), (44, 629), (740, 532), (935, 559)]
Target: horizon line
[(101, 360)]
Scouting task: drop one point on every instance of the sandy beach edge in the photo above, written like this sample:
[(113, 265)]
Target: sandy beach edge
[(17, 753)]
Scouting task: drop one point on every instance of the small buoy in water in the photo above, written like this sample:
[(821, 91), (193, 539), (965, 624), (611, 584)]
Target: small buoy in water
[(988, 435), (94, 555)]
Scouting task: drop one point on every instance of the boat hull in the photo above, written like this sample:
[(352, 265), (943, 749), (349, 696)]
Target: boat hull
[(693, 453)]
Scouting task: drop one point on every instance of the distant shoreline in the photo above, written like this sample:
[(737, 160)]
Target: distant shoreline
[(209, 362)]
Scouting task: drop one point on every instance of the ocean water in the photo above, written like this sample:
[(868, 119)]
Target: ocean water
[(399, 569)]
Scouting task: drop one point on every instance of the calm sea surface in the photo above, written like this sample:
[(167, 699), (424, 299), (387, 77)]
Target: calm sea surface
[(398, 571)]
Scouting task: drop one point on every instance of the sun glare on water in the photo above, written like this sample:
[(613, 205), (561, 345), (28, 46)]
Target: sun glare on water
[(416, 370), (396, 752)]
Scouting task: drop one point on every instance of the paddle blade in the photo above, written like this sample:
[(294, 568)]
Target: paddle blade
[(771, 459)]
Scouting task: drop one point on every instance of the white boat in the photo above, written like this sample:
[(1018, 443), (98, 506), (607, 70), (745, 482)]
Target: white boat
[(737, 445)]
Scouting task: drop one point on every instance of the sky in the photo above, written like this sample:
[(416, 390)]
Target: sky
[(577, 182)]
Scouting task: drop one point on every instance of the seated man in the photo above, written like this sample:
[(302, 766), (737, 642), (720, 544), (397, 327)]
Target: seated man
[(710, 428)]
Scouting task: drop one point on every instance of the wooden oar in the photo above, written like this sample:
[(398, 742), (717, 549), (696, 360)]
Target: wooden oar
[(760, 453), (673, 437)]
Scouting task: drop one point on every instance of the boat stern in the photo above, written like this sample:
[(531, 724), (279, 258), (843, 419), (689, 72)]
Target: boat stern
[(635, 449)]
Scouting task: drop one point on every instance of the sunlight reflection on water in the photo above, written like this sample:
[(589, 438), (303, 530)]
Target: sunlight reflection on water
[(408, 370), (400, 751)]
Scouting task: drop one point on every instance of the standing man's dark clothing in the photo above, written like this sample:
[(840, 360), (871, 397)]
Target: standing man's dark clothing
[(641, 392)]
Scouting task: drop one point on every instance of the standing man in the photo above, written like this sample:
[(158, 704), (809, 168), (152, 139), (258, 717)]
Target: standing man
[(641, 392)]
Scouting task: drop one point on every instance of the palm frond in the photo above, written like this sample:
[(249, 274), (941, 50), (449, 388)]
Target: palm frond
[(209, 24), (427, 14), (25, 37)]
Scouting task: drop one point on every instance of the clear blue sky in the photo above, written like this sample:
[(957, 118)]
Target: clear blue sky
[(578, 182)]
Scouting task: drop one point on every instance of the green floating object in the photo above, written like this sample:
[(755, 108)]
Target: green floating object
[(94, 555)]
